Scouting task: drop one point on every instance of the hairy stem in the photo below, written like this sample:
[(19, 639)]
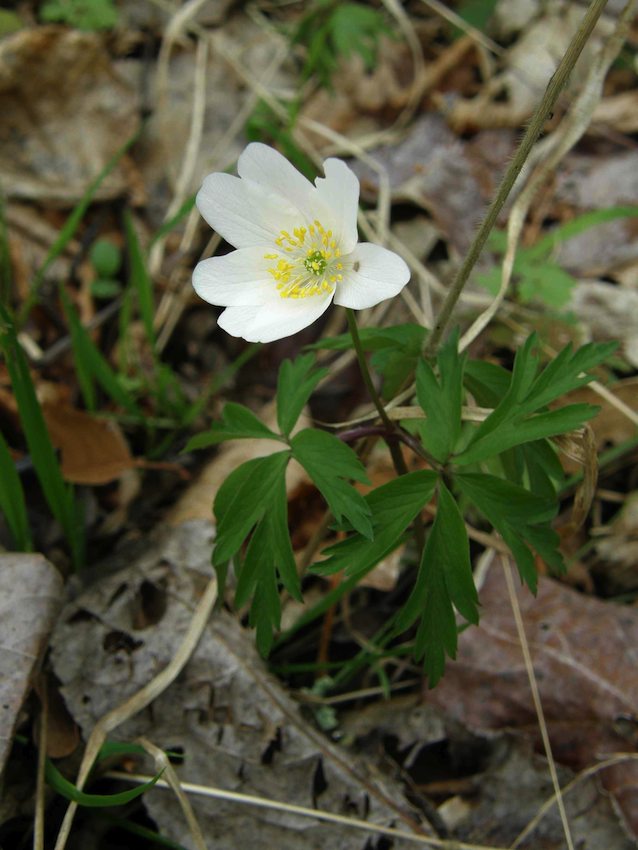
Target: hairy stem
[(553, 90)]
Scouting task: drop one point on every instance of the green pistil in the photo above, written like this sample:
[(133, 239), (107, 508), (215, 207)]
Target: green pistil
[(315, 263)]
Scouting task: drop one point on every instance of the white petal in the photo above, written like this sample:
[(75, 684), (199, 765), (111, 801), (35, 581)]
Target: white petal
[(244, 213), (235, 279), (339, 193), (379, 274), (266, 166), (274, 321)]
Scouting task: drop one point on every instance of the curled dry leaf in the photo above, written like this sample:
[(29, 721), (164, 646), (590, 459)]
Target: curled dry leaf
[(65, 112), (31, 596), (584, 656), (235, 726), (94, 450)]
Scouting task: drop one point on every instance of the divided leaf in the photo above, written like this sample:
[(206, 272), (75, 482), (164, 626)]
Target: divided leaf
[(395, 351), (520, 417), (254, 496), (330, 463), (238, 423), (444, 583), (242, 501), (520, 517), (393, 506), (441, 400), (297, 379)]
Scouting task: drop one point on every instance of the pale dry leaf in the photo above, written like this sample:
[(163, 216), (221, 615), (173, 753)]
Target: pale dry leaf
[(65, 112), (235, 726), (30, 598)]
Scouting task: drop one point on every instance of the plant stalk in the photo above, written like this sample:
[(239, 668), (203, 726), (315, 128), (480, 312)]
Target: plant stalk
[(543, 111)]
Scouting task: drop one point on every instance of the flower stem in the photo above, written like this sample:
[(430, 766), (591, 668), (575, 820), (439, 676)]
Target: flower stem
[(365, 372), (391, 427), (534, 129)]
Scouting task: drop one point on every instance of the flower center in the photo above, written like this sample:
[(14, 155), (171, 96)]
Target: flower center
[(307, 262)]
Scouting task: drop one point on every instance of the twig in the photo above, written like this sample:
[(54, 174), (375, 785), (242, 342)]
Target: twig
[(529, 667), (134, 704), (303, 811), (552, 92)]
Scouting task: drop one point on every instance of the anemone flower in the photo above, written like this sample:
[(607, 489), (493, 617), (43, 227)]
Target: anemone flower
[(296, 244)]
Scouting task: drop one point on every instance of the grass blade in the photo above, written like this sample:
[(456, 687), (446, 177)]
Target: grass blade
[(12, 502), (58, 494)]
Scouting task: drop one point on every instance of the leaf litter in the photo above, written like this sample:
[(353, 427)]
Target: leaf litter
[(237, 726)]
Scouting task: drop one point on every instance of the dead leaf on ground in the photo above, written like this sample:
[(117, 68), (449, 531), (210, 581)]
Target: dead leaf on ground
[(608, 312), (65, 112), (611, 426), (31, 593), (94, 450), (232, 721), (435, 170), (617, 546), (584, 654), (510, 97)]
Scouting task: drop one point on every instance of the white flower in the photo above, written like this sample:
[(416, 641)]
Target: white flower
[(296, 244)]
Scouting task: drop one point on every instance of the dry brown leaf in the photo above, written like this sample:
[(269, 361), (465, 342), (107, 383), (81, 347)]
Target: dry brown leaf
[(434, 169), (31, 595), (610, 426), (617, 546), (584, 655), (94, 450), (235, 726), (65, 112)]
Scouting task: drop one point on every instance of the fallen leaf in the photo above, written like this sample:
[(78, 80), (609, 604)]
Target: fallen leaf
[(94, 450), (617, 546), (65, 112), (230, 720), (584, 655), (31, 596)]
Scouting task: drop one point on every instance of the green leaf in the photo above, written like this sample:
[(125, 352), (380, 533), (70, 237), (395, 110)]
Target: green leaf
[(393, 506), (94, 801), (513, 421), (92, 365), (329, 462), (537, 427), (487, 382), (140, 279), (395, 351), (519, 516), (243, 499), (441, 400), (12, 501), (297, 380), (269, 558), (238, 423), (58, 494), (444, 582)]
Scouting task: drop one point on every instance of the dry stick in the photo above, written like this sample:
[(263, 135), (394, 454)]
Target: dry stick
[(163, 764), (303, 811), (618, 758), (529, 667), (552, 92), (38, 820), (550, 153), (140, 700)]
